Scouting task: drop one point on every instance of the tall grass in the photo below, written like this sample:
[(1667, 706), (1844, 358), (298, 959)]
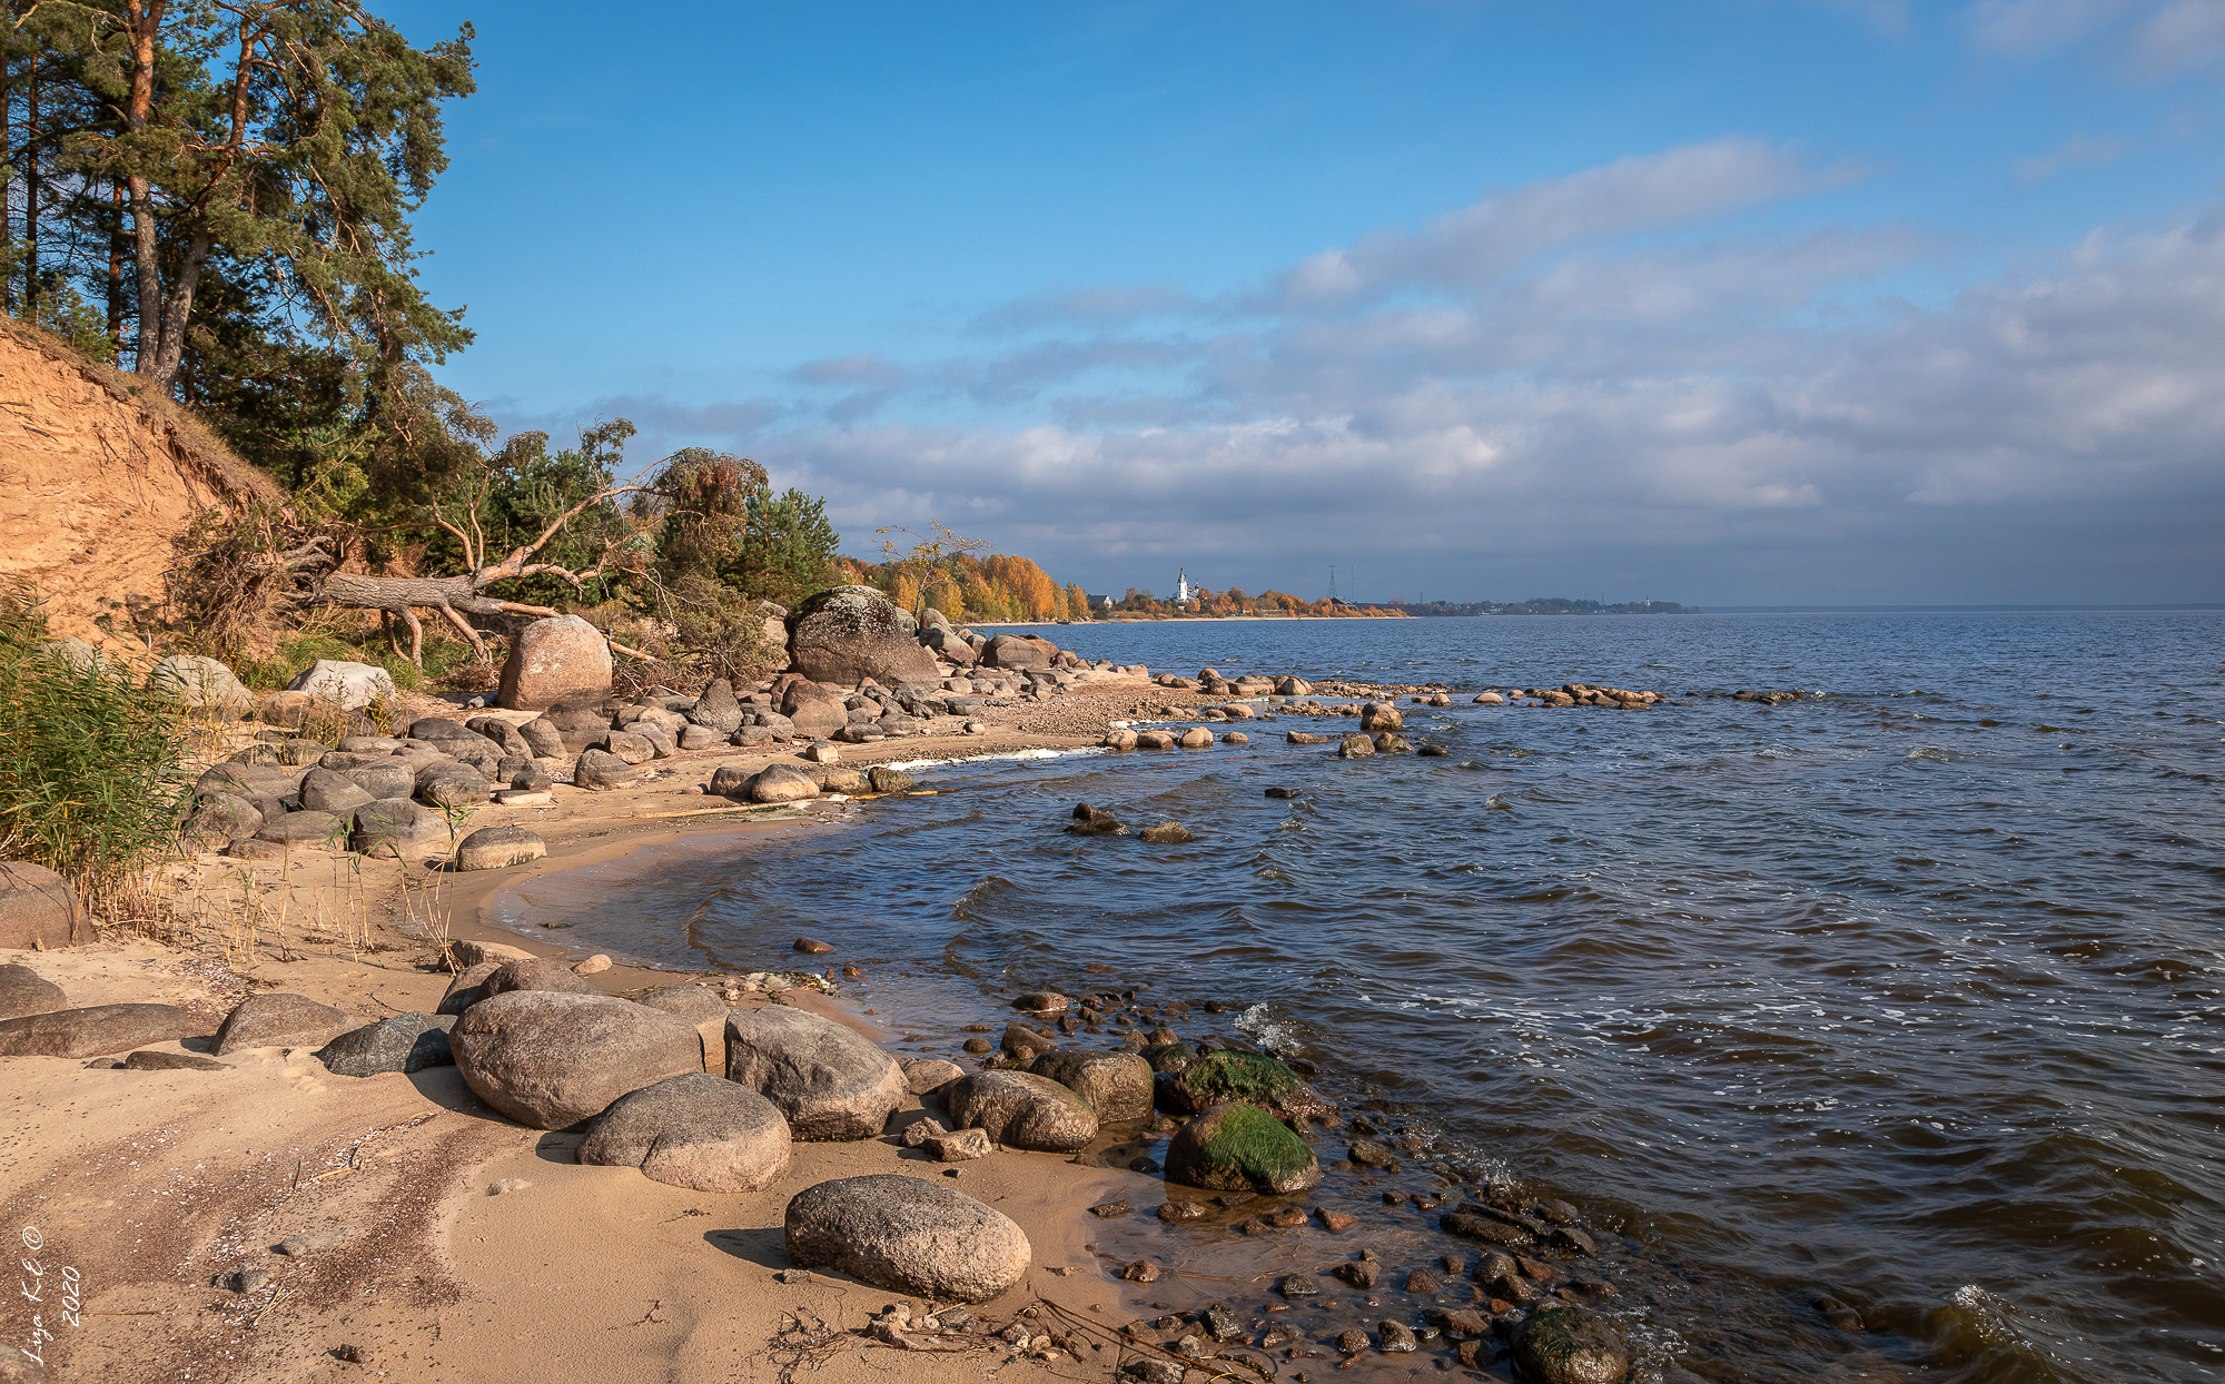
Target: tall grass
[(91, 779)]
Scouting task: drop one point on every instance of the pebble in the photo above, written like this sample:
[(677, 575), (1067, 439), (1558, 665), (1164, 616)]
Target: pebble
[(1175, 1211), (1107, 1210), (1299, 1285), (506, 1186), (1397, 1337), (245, 1280), (1336, 1222), (1142, 1271), (593, 965)]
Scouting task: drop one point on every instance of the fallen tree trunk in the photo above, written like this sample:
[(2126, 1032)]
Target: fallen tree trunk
[(454, 597)]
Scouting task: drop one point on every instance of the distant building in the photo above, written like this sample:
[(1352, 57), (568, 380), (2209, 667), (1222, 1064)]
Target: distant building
[(1184, 593)]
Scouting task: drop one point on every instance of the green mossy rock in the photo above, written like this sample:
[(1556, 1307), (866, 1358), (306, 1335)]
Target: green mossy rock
[(1227, 1075), (1241, 1148), (1570, 1345)]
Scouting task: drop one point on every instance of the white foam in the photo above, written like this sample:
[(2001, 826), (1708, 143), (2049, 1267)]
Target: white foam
[(908, 765)]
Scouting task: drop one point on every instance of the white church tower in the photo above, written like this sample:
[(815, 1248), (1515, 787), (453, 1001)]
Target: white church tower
[(1184, 593)]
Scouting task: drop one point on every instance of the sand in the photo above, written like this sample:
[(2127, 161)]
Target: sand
[(151, 1186)]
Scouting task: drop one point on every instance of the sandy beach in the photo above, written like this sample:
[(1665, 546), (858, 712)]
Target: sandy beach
[(451, 1243)]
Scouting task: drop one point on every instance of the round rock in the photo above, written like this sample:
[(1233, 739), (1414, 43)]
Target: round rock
[(492, 848), (550, 1060), (1117, 1085), (830, 1082), (697, 1130), (1570, 1345), (907, 1235), (1023, 1111), (1241, 1148)]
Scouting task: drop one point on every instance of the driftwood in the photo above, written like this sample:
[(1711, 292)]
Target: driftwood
[(454, 597)]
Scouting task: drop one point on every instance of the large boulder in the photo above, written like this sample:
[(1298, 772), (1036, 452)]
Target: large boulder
[(907, 1235), (24, 991), (550, 1060), (696, 1130), (1228, 1074), (556, 660), (38, 908), (829, 1081), (1117, 1085), (1020, 653), (403, 1043), (1241, 1148), (1023, 1111), (93, 1031), (280, 1021), (852, 633), (1570, 1345), (351, 686), (203, 685)]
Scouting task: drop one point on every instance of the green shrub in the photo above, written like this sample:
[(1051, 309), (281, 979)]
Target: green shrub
[(91, 780)]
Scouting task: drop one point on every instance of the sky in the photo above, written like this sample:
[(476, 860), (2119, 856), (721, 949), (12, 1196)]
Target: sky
[(1729, 302)]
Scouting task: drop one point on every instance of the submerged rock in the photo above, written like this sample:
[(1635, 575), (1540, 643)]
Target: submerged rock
[(1570, 1345)]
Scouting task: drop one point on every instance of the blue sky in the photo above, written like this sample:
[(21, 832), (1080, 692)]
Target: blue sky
[(1757, 301)]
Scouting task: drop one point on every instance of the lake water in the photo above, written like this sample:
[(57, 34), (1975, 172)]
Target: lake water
[(1912, 993)]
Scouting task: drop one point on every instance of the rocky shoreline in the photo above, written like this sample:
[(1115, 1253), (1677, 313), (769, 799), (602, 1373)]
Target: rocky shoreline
[(740, 1087)]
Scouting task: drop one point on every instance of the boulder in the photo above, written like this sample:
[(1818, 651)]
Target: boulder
[(852, 633), (218, 820), (829, 1081), (959, 1145), (1020, 653), (24, 991), (1167, 834), (1570, 1345), (632, 747), (780, 783), (1377, 716), (556, 660), (1241, 1148), (1022, 1110), (883, 779), (280, 1021), (600, 769), (157, 1060), (907, 1235), (543, 738), (1117, 1085), (403, 1043), (544, 973), (202, 685), (699, 1005), (492, 848), (451, 783), (350, 686), (389, 779), (1119, 738), (93, 1031), (38, 908), (1355, 747), (717, 709), (324, 790), (306, 828), (470, 951), (550, 1060), (396, 826), (695, 1130)]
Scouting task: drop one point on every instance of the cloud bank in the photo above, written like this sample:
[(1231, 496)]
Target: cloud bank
[(1661, 377)]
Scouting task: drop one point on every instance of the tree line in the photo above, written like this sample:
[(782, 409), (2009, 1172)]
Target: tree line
[(216, 196)]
